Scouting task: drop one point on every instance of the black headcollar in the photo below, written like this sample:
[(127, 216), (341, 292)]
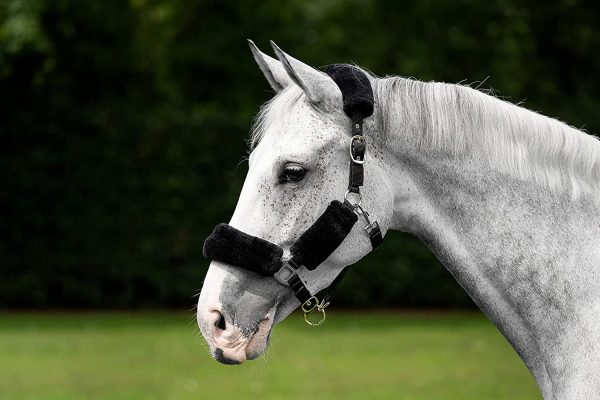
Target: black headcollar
[(234, 247)]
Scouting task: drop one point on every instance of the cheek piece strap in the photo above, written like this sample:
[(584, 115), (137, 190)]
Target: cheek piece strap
[(234, 247)]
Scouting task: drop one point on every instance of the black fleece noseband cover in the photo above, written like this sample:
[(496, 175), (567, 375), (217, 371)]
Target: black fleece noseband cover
[(357, 93), (234, 247), (324, 236)]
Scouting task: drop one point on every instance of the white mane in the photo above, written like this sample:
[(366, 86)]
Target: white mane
[(460, 120)]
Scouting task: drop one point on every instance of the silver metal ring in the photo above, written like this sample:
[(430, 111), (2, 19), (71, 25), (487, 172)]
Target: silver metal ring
[(356, 194)]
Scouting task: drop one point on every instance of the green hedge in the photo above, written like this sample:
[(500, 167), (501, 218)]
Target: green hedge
[(123, 125)]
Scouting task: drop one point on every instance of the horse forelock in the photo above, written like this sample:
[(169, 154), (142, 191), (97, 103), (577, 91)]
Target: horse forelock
[(273, 112)]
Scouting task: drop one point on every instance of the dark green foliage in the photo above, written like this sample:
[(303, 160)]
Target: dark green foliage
[(123, 124)]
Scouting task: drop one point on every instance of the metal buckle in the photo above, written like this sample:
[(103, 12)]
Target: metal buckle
[(371, 227), (312, 304), (358, 138), (285, 273)]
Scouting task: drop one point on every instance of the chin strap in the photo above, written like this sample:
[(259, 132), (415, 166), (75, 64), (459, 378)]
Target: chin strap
[(234, 247)]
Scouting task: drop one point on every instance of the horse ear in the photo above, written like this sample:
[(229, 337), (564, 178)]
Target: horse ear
[(271, 68), (316, 84)]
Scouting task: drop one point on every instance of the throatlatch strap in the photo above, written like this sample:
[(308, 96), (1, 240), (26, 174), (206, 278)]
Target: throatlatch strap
[(324, 236), (234, 247), (375, 235)]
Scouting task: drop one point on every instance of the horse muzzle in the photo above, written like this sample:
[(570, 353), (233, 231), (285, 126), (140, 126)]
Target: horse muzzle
[(231, 344)]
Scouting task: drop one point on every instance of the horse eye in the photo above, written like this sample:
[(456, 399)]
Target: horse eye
[(292, 173)]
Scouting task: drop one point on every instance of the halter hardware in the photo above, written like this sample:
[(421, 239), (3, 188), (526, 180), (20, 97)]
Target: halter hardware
[(357, 197), (310, 306), (231, 246), (286, 272), (357, 158), (371, 228)]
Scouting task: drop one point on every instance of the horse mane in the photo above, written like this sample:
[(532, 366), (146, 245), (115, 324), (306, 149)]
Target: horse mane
[(460, 120)]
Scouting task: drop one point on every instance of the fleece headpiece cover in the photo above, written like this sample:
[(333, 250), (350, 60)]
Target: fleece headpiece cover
[(357, 93)]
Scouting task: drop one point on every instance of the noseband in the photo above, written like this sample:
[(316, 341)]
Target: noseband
[(234, 247)]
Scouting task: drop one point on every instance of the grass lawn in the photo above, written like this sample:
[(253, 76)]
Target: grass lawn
[(355, 355)]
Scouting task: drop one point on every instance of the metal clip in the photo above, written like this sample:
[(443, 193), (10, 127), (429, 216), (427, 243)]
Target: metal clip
[(362, 212), (311, 305), (371, 228)]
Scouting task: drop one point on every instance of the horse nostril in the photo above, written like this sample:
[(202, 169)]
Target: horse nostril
[(220, 323)]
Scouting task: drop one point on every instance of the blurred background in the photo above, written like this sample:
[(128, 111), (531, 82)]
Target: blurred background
[(124, 125), (123, 128)]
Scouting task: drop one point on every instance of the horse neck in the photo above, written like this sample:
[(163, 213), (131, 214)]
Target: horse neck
[(525, 252)]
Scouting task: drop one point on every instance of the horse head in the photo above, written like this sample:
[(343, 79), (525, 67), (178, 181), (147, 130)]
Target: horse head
[(298, 164)]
